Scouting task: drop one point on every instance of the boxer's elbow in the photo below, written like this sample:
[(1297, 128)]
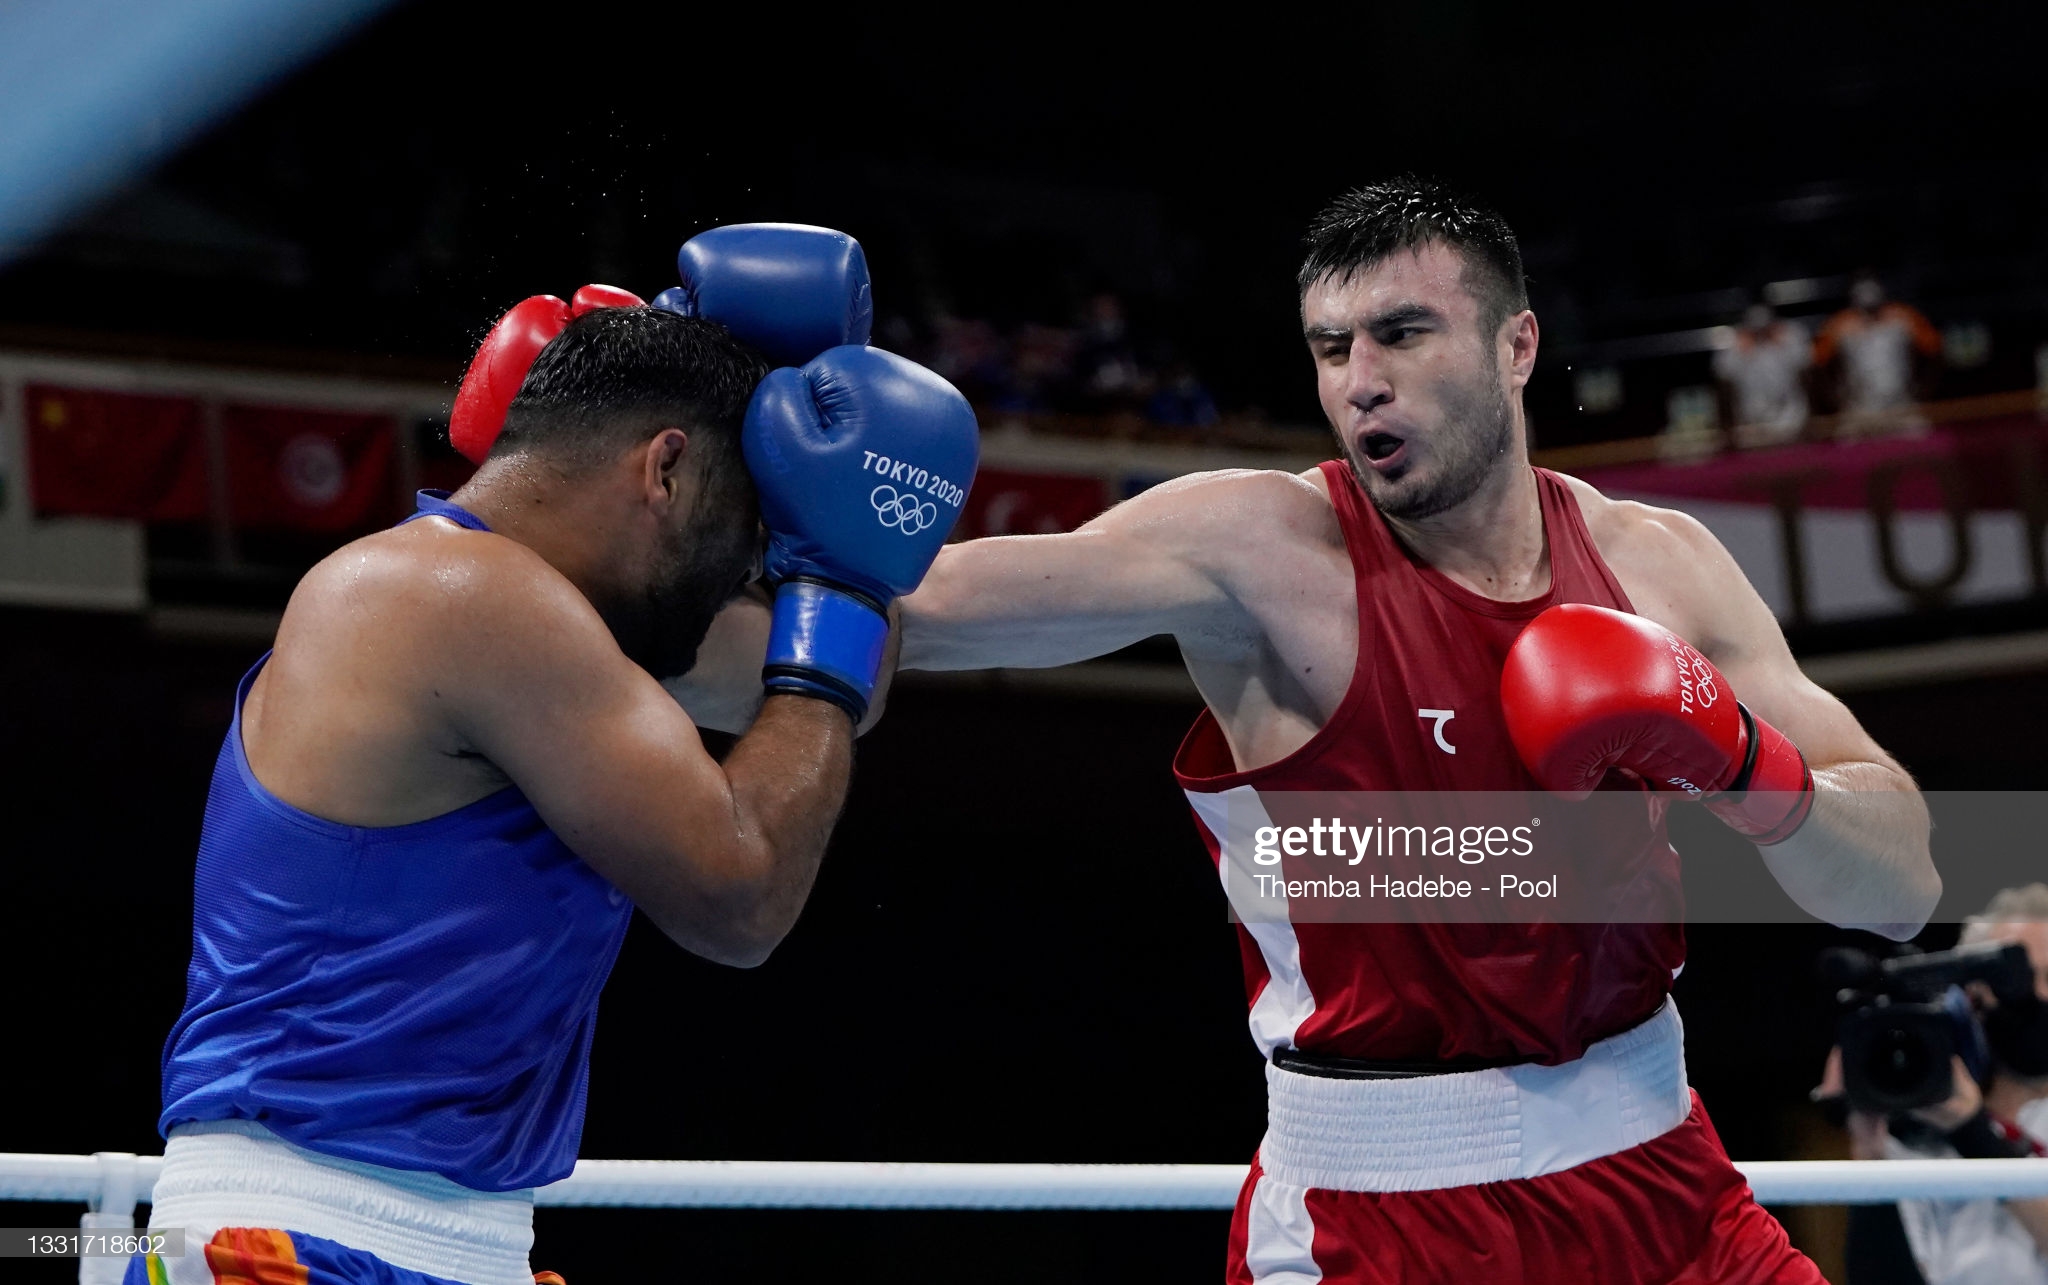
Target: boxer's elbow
[(1910, 907), (739, 950), (733, 932), (1921, 896), (740, 910)]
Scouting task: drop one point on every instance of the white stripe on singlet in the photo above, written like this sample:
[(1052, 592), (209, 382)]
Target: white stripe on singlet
[(1285, 1002)]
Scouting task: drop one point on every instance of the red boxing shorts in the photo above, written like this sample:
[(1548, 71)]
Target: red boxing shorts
[(1672, 1210), (1603, 1169)]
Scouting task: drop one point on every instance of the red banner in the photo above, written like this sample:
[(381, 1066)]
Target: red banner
[(114, 455), (305, 470), (1007, 503), (1978, 464)]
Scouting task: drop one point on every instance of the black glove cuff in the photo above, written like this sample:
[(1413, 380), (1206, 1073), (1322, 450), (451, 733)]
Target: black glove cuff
[(1982, 1138), (791, 680)]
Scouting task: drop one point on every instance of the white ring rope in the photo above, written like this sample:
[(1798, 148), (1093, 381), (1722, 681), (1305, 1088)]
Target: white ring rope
[(775, 1184)]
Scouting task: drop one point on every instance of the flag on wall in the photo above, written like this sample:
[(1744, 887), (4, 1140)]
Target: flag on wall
[(114, 455)]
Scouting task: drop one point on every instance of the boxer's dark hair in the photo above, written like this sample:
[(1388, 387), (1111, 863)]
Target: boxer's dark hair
[(616, 376), (1367, 224)]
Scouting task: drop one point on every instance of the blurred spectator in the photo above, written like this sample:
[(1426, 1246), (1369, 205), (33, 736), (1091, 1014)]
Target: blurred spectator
[(1876, 347), (1042, 367), (972, 356), (1763, 377), (1181, 400), (1092, 370), (1106, 363)]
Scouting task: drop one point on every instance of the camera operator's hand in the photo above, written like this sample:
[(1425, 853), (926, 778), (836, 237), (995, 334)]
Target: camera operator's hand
[(1867, 1129), (1867, 1133), (1962, 1105)]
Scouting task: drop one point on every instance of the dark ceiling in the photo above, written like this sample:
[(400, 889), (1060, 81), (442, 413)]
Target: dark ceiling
[(397, 194)]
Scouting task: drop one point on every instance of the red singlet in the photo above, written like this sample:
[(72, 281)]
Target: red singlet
[(1424, 991)]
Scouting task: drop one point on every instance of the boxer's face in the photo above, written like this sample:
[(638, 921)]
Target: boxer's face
[(1411, 380), (716, 551), (706, 548)]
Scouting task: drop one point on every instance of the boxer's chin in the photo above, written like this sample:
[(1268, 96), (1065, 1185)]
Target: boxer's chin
[(661, 626), (1408, 497), (1412, 491), (679, 616)]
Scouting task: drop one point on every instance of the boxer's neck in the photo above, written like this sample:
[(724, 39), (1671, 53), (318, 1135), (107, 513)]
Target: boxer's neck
[(571, 522), (1493, 542)]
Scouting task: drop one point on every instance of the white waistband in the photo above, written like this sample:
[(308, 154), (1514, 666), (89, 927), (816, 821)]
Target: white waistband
[(236, 1173), (1476, 1126)]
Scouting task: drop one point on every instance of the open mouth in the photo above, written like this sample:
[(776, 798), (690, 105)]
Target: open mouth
[(1381, 448)]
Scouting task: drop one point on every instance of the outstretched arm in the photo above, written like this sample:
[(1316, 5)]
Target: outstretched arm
[(1159, 563), (723, 689)]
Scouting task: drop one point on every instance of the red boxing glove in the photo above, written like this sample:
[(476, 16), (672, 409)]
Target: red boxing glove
[(507, 353), (1587, 690)]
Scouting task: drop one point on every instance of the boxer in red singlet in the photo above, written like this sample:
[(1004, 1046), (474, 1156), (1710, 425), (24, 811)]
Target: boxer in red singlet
[(1349, 629)]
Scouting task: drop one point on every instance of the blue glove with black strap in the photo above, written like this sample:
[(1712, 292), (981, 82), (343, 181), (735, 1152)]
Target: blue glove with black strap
[(862, 460), (788, 289)]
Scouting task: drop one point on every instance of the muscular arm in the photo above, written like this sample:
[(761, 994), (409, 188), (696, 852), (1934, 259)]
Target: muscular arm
[(1155, 564), (1861, 859), (721, 857)]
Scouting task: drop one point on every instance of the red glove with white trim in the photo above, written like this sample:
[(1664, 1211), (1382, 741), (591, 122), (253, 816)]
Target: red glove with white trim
[(507, 354), (1587, 690)]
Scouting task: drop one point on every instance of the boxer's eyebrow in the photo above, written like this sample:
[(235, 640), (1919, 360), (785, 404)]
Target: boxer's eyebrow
[(1401, 314), (1326, 334)]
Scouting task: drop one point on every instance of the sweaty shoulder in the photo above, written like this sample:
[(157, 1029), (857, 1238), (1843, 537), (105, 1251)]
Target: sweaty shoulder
[(1255, 528), (431, 598), (1233, 508), (1668, 563), (1244, 497)]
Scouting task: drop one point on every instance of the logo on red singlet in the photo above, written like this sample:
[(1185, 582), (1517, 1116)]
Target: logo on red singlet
[(1442, 717)]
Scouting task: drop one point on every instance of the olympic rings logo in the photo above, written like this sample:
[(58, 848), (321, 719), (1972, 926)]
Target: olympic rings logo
[(902, 511), (1705, 690)]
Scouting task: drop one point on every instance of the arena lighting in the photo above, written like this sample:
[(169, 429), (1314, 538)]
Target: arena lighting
[(93, 93)]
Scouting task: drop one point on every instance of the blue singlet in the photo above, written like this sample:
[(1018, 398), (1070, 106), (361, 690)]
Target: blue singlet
[(418, 996)]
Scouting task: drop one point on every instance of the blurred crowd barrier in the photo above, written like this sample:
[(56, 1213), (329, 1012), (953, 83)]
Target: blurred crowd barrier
[(125, 483), (1944, 504)]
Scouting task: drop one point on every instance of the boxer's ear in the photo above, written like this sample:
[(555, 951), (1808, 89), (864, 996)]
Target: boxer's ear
[(665, 461)]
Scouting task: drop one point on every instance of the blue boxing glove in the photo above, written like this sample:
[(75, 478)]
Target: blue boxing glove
[(788, 289), (862, 460)]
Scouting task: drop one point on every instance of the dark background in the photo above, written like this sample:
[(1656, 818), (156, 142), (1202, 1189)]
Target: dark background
[(389, 201), (1017, 950)]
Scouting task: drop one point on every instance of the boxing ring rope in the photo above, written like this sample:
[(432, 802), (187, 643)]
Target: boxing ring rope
[(114, 1182)]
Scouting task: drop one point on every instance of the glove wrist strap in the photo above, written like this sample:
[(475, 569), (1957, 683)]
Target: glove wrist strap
[(1982, 1138), (826, 642), (1772, 794)]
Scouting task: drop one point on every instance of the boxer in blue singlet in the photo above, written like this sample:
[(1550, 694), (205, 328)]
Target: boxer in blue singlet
[(447, 786)]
